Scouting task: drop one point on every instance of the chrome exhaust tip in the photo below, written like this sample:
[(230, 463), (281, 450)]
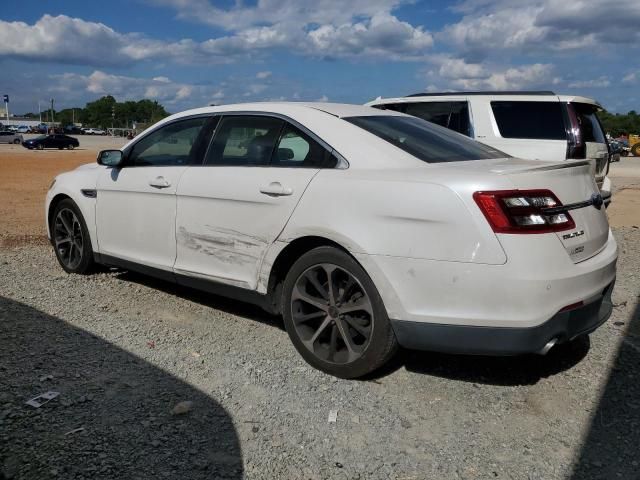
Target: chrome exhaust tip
[(544, 350)]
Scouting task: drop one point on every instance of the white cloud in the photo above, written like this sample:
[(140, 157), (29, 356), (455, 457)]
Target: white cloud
[(263, 75), (162, 89), (631, 77), (594, 83), (381, 35), (334, 32), (457, 74), (271, 12), (491, 26)]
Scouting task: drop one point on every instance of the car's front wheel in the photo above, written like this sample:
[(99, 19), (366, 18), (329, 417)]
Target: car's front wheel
[(70, 238), (40, 146), (71, 146), (335, 316), (16, 141)]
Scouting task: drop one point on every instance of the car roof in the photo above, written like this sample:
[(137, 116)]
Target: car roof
[(339, 110), (535, 96), (324, 121)]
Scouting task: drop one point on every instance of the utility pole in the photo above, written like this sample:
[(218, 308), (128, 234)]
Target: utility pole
[(52, 115), (39, 111), (6, 106)]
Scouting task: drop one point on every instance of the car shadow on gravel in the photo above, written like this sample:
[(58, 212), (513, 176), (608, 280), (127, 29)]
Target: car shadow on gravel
[(611, 447), (523, 370), (218, 302), (113, 417), (506, 371)]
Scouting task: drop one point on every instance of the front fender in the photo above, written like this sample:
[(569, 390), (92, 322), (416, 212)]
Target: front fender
[(70, 185)]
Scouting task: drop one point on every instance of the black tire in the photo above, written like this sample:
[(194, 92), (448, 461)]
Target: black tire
[(60, 148), (378, 342), (40, 146), (16, 141), (71, 146), (85, 264), (635, 150)]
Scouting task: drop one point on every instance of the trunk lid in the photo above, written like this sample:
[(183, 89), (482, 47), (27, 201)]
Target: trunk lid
[(573, 183)]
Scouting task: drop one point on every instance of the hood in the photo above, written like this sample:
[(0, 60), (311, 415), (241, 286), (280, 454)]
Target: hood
[(89, 166)]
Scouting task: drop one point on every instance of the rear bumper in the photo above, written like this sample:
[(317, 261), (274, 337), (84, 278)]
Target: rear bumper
[(480, 340)]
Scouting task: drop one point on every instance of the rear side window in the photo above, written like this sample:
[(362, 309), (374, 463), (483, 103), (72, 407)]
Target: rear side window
[(451, 115), (425, 141), (297, 149), (589, 123), (536, 120), (244, 140)]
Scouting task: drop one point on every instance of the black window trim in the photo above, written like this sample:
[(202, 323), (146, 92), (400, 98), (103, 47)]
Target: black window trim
[(127, 151), (342, 164)]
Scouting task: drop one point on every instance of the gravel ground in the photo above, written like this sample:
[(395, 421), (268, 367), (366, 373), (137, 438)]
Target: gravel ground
[(123, 350)]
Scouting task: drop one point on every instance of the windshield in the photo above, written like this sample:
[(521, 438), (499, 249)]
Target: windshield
[(424, 140), (40, 137)]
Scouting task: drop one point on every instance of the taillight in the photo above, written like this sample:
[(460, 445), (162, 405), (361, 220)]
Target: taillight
[(523, 211), (576, 148)]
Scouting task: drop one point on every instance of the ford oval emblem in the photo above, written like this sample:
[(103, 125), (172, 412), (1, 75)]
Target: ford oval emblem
[(596, 200)]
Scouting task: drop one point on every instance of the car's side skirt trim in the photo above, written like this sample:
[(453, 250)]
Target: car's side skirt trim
[(236, 293)]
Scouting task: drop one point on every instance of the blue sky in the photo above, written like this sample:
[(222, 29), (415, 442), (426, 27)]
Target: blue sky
[(188, 53)]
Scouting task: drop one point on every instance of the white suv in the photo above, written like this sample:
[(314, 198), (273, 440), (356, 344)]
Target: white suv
[(532, 125)]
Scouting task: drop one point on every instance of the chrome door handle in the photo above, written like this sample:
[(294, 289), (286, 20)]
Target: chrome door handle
[(159, 182), (275, 189)]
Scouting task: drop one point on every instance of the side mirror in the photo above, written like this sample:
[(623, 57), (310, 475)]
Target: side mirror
[(110, 158), (285, 154)]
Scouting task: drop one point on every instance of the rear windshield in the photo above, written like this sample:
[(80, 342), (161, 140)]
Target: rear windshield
[(589, 123), (425, 141), (538, 120)]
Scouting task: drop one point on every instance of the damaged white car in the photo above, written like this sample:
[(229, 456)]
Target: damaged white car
[(365, 229)]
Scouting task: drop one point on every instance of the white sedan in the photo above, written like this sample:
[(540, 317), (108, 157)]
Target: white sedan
[(94, 131), (365, 229)]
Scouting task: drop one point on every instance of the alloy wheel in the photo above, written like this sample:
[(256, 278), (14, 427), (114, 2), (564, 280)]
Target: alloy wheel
[(332, 313), (68, 239)]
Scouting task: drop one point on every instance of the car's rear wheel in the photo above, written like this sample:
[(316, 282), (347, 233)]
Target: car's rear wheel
[(40, 146), (71, 146), (334, 315), (70, 238), (16, 141)]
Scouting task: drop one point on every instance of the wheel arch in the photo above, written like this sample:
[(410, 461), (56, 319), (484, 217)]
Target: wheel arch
[(86, 206), (286, 257)]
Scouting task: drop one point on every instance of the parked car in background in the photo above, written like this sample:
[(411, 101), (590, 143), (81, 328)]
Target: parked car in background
[(41, 128), (617, 150), (531, 125), (51, 141), (73, 130), (7, 136), (22, 129), (94, 131), (365, 229)]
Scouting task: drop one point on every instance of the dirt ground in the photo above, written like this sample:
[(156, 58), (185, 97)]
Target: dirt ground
[(25, 176)]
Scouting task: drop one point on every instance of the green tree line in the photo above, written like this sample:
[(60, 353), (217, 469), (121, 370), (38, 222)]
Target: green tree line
[(618, 124), (106, 112)]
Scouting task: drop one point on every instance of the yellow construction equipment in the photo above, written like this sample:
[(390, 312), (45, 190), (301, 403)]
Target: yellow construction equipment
[(634, 145)]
